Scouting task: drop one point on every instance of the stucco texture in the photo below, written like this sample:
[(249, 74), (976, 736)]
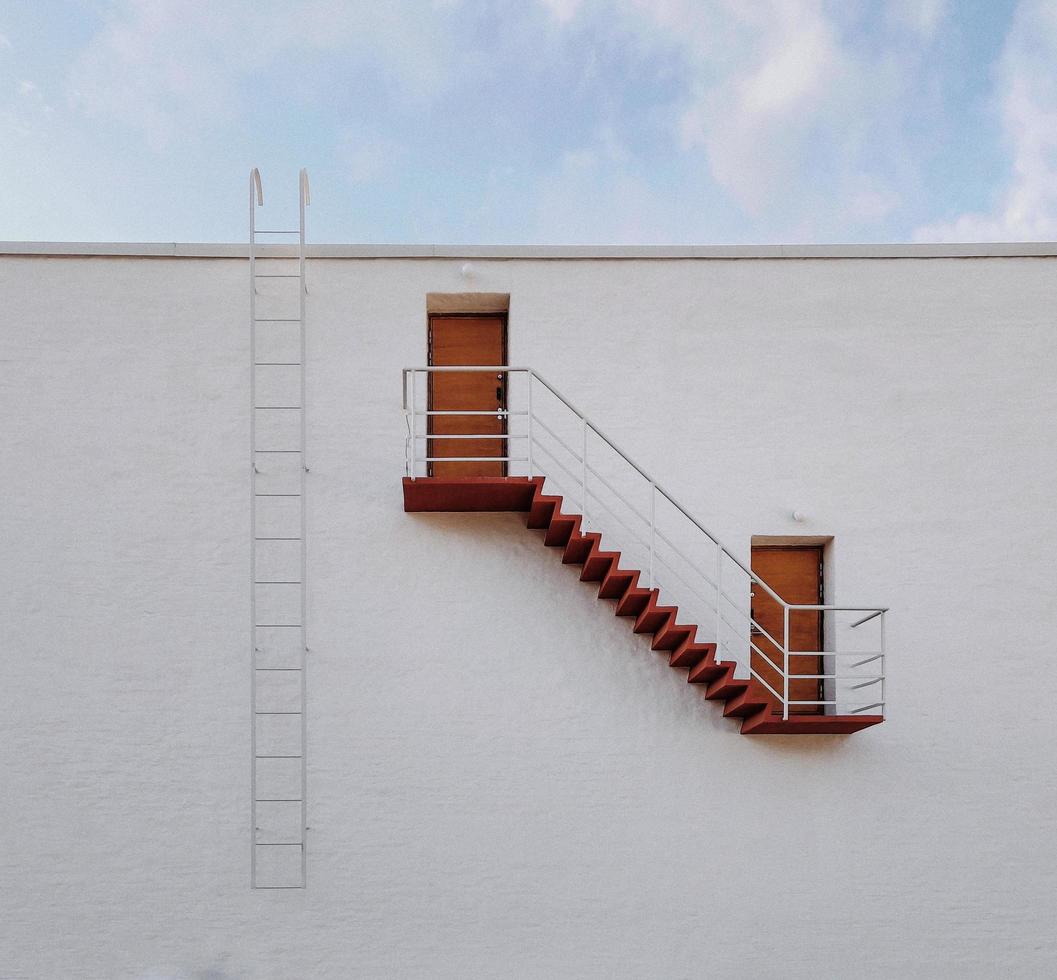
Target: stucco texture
[(503, 781)]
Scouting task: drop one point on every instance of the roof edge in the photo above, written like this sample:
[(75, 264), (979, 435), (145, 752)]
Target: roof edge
[(193, 250)]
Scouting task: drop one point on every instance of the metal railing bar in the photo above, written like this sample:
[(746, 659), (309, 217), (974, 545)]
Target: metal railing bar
[(557, 438), (490, 435), (499, 412), (639, 541), (565, 468), (820, 607), (472, 459), (862, 663), (671, 544), (866, 619), (660, 534), (765, 684)]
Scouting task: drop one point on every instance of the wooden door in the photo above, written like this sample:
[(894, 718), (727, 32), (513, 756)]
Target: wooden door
[(795, 573), (457, 340)]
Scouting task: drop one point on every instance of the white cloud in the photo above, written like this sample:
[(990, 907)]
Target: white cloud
[(754, 120), (922, 16), (5, 42), (1026, 209), (169, 68), (562, 10)]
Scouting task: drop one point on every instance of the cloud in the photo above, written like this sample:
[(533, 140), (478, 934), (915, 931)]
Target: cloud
[(1026, 208), (754, 121), (562, 10), (167, 68), (921, 16)]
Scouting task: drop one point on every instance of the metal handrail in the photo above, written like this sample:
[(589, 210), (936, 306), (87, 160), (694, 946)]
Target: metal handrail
[(871, 612)]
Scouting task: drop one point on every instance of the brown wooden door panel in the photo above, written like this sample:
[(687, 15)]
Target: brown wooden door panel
[(796, 575), (456, 340)]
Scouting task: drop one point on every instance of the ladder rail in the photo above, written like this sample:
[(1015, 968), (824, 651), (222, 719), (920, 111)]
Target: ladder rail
[(281, 571)]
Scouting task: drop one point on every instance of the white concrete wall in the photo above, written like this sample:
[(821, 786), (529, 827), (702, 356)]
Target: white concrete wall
[(503, 780)]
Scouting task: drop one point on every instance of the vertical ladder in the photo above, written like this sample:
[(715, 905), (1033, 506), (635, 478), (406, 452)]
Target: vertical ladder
[(278, 467)]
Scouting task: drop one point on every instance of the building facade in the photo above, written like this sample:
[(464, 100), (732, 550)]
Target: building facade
[(500, 778)]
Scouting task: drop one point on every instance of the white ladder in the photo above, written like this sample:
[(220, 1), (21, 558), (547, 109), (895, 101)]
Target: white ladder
[(278, 605)]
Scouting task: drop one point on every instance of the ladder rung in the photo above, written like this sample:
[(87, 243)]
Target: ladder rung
[(279, 756), (281, 582), (277, 495), (277, 275), (287, 451), (272, 799), (277, 712), (276, 319), (278, 408), (277, 539), (277, 668), (277, 626), (274, 231), (269, 843)]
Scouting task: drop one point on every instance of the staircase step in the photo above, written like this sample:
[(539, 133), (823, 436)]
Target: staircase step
[(617, 581), (673, 636), (560, 529), (751, 701), (579, 547), (689, 654), (634, 601), (726, 686), (707, 669), (598, 565), (542, 510), (654, 617)]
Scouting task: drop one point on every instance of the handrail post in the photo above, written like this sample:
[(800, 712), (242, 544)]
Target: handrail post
[(884, 668), (785, 663), (528, 377), (414, 427), (653, 526), (583, 524), (719, 594)]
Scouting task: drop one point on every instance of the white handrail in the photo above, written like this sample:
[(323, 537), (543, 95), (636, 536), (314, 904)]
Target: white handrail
[(655, 534)]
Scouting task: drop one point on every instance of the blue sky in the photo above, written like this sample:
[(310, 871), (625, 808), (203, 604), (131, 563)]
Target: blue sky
[(532, 121)]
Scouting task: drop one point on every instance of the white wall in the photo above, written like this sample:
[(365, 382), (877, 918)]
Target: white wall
[(503, 780)]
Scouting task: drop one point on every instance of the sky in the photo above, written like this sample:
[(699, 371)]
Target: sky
[(532, 121)]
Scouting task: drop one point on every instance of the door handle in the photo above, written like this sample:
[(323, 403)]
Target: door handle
[(499, 395)]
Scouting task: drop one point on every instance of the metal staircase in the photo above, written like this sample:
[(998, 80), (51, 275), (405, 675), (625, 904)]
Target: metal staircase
[(278, 466), (655, 548)]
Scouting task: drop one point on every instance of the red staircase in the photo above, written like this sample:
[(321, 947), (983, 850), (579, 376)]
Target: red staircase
[(746, 699)]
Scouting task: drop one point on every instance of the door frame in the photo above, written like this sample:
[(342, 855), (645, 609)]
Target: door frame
[(504, 318)]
